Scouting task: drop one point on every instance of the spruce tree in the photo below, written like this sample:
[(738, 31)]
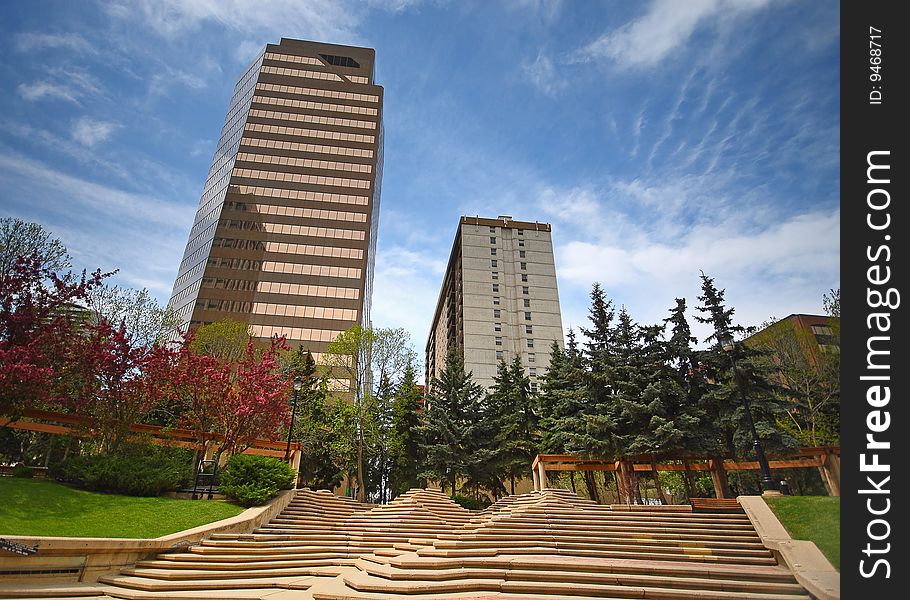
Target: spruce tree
[(455, 440), (510, 409), (722, 401), (403, 444)]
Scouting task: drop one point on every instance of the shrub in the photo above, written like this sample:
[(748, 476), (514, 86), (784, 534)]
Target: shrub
[(137, 470), (470, 503), (22, 471), (253, 480)]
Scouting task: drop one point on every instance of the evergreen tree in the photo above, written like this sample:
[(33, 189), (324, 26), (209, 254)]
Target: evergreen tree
[(403, 445), (562, 400), (510, 409), (722, 401), (455, 440)]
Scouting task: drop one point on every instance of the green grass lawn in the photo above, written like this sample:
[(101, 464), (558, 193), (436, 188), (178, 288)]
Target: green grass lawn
[(813, 518), (40, 507)]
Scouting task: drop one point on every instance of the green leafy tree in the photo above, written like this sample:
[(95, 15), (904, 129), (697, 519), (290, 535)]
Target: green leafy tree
[(20, 238), (510, 407), (225, 340)]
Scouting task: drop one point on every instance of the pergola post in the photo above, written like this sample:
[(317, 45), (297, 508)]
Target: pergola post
[(830, 471), (536, 480), (541, 474)]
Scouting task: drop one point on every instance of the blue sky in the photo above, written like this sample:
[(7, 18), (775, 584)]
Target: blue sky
[(658, 138)]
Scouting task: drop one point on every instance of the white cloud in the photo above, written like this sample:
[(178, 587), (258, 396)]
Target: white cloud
[(543, 75), (667, 25), (44, 89), (313, 19), (103, 227), (406, 288), (89, 132), (38, 41), (64, 84)]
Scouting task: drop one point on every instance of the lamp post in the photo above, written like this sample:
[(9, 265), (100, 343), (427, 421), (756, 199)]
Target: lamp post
[(287, 451), (767, 482)]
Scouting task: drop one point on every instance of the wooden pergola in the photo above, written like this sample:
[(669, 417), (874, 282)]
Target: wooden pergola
[(57, 423), (825, 458)]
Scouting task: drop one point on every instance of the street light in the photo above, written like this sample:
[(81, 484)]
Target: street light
[(297, 385), (767, 482)]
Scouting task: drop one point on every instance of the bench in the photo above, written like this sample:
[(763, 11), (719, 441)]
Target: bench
[(715, 505)]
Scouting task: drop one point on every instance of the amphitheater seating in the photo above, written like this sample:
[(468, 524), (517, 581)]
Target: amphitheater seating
[(547, 544)]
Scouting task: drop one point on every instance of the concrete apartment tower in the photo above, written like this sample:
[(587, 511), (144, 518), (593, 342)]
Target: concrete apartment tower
[(498, 299), (285, 235)]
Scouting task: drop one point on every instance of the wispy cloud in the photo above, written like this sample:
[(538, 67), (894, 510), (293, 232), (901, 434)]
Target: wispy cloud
[(314, 19), (69, 84), (74, 42), (667, 25), (88, 132), (44, 89), (544, 75)]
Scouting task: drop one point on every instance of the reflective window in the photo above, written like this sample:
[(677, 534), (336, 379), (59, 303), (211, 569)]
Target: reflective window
[(329, 165), (325, 134), (309, 312), (271, 192), (312, 250), (292, 89), (301, 178), (305, 118)]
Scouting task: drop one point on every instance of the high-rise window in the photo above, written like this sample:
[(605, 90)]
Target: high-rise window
[(492, 251), (527, 303), (495, 287), (527, 316), (492, 239), (532, 357), (494, 263), (495, 300), (530, 343), (524, 277), (529, 329), (524, 266), (525, 289), (497, 327), (521, 253), (497, 313), (499, 355), (498, 341)]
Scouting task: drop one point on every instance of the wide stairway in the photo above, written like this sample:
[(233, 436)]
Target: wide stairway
[(549, 544)]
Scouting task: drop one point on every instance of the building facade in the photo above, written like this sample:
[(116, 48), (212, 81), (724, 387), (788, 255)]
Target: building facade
[(498, 300), (285, 234)]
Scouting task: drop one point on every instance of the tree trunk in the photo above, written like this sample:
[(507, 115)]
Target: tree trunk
[(636, 486), (361, 493), (656, 474), (591, 486), (689, 479), (512, 482), (719, 478), (572, 479)]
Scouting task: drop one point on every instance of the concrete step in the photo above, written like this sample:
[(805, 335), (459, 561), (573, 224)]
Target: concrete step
[(693, 583)]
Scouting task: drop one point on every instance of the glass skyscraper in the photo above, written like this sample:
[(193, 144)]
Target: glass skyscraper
[(285, 235)]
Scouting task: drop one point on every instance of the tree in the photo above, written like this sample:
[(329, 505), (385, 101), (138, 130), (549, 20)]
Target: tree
[(372, 360), (452, 429), (143, 318), (20, 239), (38, 319), (226, 403), (809, 377), (103, 383), (226, 339), (831, 302), (721, 400), (509, 407), (404, 441)]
